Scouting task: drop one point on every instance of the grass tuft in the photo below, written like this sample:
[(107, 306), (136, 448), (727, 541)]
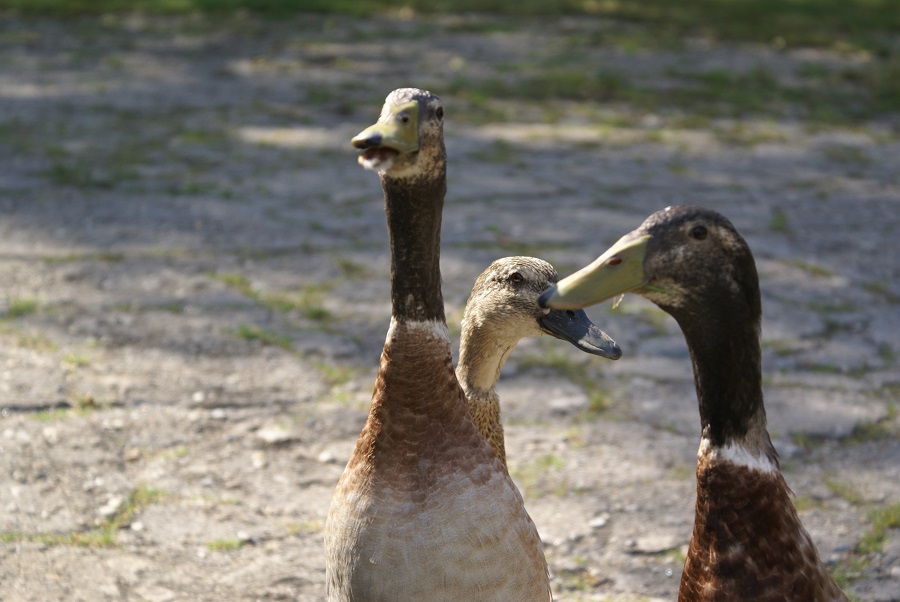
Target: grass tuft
[(104, 535), (19, 308)]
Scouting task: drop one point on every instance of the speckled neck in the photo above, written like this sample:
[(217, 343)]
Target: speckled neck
[(482, 354)]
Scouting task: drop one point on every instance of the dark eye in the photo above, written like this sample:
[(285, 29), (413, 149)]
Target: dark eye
[(698, 232), (404, 118), (440, 112), (515, 278)]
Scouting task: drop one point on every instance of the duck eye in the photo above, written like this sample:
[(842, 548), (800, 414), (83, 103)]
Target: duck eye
[(404, 118), (439, 112), (698, 232), (515, 278)]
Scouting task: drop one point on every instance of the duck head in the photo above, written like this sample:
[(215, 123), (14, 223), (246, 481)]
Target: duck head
[(408, 137), (505, 300), (689, 260)]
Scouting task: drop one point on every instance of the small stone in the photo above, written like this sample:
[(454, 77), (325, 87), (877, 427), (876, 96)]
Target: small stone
[(137, 526), (273, 434), (218, 414), (51, 435), (132, 454), (653, 544), (599, 521), (258, 460), (244, 537), (116, 424), (113, 504), (327, 457), (198, 396)]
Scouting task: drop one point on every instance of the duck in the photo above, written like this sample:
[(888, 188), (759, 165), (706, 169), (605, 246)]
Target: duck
[(503, 309), (424, 509), (748, 542)]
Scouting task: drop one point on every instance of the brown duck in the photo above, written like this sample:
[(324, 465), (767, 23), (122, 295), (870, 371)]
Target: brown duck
[(425, 510), (748, 543)]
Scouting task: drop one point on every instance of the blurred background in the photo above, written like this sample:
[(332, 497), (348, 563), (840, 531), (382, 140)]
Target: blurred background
[(194, 272)]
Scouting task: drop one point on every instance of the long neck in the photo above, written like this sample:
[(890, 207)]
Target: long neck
[(725, 352), (481, 357), (417, 399), (413, 209)]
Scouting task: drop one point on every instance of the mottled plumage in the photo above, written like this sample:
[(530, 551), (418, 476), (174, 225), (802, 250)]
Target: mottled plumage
[(748, 543), (502, 310), (424, 509)]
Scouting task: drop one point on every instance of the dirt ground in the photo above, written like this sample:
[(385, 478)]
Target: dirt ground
[(194, 279)]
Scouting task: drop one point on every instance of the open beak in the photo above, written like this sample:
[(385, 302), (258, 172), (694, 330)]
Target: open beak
[(619, 270), (396, 131), (574, 326)]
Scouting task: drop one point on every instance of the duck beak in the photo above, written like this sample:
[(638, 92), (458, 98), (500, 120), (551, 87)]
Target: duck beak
[(619, 270), (574, 326), (397, 130)]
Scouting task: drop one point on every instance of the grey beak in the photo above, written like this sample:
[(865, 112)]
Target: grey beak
[(574, 326)]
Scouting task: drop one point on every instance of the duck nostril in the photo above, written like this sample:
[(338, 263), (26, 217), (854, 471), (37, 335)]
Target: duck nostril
[(364, 142)]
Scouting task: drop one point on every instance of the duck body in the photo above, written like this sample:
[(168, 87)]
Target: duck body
[(748, 543), (424, 509)]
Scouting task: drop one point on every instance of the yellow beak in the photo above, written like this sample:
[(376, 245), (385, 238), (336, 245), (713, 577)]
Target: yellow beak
[(619, 270)]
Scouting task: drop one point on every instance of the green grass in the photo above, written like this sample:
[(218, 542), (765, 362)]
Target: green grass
[(881, 519), (876, 430), (798, 22), (882, 289), (334, 374), (76, 360), (542, 477), (102, 536), (19, 308), (779, 221), (224, 545), (261, 335), (811, 268), (846, 491), (843, 25), (307, 301), (541, 88), (872, 541)]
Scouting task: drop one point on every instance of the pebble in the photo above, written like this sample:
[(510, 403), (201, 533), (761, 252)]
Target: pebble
[(273, 434), (258, 460), (51, 435), (113, 504), (599, 521)]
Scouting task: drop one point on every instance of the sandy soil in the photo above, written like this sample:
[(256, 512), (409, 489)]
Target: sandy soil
[(194, 279)]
